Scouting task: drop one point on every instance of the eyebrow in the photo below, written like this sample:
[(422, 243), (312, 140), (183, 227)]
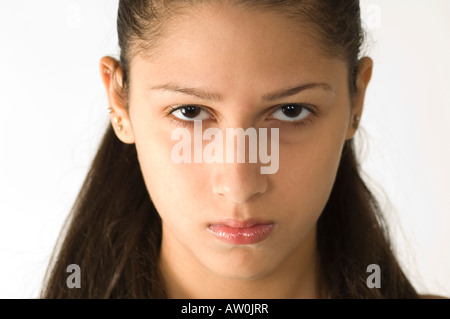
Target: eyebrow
[(211, 96)]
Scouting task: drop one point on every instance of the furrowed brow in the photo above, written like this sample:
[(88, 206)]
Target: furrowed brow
[(271, 97), (197, 92), (211, 96)]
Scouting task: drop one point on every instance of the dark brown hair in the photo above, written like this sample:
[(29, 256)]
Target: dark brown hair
[(114, 231)]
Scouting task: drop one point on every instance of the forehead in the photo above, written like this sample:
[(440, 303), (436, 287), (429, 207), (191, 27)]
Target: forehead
[(210, 46)]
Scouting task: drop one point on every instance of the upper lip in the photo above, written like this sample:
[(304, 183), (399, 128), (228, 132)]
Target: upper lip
[(240, 224)]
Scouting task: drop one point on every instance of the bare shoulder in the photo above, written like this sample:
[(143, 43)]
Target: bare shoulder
[(432, 297)]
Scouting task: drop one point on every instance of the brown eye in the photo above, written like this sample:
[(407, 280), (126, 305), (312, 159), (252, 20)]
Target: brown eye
[(189, 113), (292, 112)]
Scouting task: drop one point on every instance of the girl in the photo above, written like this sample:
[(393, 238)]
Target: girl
[(146, 226)]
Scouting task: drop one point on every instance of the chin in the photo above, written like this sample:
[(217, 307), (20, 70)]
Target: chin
[(241, 264)]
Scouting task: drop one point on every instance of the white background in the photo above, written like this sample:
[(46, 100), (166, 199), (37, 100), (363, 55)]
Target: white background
[(54, 110)]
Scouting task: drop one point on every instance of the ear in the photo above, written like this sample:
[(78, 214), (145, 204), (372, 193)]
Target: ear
[(112, 76), (363, 76)]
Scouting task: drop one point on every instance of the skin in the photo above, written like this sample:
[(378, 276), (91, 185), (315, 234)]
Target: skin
[(231, 52)]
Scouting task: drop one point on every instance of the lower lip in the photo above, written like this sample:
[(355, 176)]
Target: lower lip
[(242, 236)]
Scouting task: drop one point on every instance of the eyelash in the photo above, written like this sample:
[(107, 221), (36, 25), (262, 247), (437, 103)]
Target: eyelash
[(295, 124)]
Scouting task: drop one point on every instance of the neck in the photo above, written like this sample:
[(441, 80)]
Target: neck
[(295, 277)]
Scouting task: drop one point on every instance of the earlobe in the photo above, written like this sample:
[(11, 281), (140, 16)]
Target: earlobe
[(122, 128), (111, 74)]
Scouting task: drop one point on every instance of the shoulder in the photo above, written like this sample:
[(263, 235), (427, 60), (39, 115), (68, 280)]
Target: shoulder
[(432, 297)]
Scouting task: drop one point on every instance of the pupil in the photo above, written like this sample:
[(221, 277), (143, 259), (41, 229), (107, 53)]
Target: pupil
[(190, 111), (292, 110)]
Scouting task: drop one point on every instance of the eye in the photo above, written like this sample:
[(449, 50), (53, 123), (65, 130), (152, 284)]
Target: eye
[(292, 112), (189, 113)]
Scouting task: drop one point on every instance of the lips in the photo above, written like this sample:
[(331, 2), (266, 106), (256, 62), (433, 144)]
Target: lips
[(241, 233)]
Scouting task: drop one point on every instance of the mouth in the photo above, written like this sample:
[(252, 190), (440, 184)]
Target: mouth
[(241, 233)]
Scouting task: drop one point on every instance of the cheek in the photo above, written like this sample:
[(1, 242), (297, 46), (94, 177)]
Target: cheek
[(307, 173), (175, 189), (303, 188)]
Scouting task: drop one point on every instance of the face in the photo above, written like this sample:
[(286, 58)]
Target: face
[(238, 57)]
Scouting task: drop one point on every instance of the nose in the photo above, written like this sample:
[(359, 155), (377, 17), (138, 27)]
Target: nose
[(239, 182)]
